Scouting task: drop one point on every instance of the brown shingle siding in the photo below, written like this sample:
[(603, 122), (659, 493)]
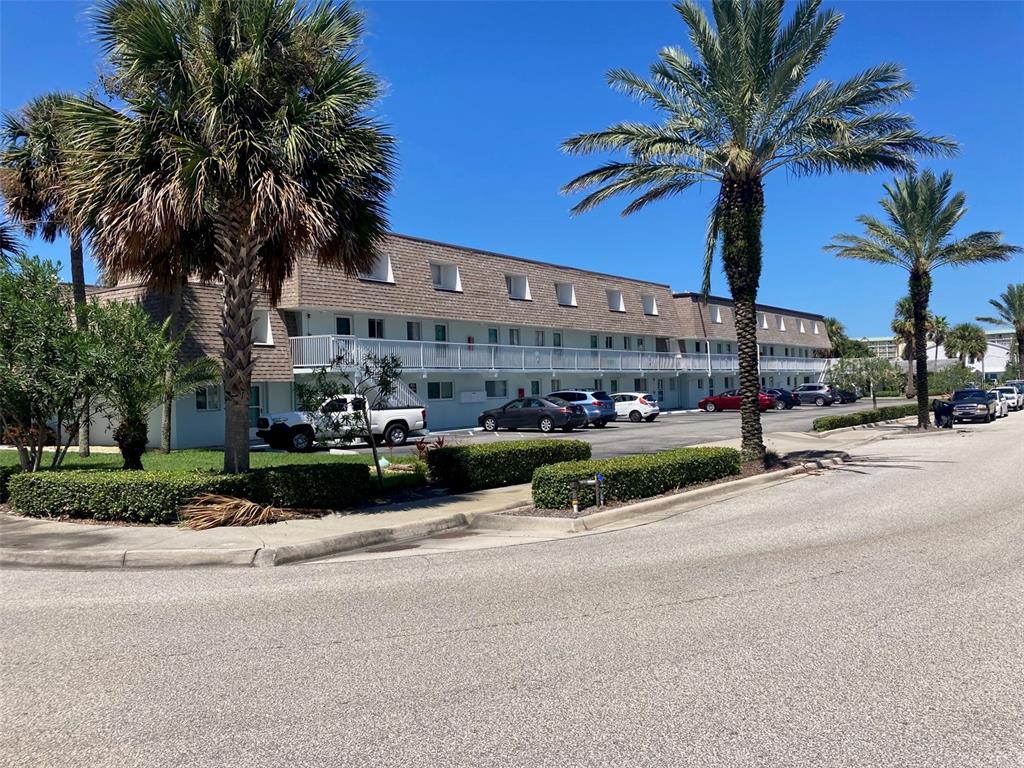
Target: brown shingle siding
[(696, 322)]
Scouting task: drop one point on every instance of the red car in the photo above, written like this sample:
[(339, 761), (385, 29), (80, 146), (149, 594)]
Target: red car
[(730, 401)]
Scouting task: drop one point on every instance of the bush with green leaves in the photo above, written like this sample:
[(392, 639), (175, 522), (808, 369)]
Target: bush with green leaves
[(872, 416), (633, 477), (473, 467), (6, 473), (310, 486)]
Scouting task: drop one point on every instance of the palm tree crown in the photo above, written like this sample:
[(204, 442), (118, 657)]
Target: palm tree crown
[(937, 332), (1010, 310), (245, 139), (10, 243), (741, 108), (967, 342)]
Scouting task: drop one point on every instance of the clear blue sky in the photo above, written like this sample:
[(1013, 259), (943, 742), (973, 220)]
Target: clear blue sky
[(481, 93)]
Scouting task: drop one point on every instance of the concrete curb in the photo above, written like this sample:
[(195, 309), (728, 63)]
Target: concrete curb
[(712, 493)]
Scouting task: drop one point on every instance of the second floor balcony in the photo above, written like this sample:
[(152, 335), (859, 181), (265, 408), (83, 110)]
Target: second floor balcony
[(312, 352)]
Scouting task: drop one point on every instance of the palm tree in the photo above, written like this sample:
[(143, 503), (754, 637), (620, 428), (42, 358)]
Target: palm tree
[(731, 116), (1010, 310), (10, 243), (967, 342), (937, 334), (903, 329), (836, 334), (244, 121), (33, 182), (917, 236)]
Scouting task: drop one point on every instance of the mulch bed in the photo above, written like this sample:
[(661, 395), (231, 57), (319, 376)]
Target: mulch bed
[(748, 469)]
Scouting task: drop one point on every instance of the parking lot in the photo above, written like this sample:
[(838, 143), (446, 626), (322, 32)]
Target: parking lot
[(668, 431)]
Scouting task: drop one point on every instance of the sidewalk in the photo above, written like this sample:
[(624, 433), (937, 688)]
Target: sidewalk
[(29, 542)]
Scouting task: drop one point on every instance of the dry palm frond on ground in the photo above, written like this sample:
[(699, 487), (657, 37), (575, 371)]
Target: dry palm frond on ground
[(212, 510)]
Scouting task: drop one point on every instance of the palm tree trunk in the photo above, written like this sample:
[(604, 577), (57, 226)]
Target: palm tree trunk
[(177, 295), (908, 390), (236, 249), (920, 289), (1020, 351), (81, 322), (741, 208)]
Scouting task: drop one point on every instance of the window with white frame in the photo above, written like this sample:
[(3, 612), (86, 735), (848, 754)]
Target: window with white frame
[(496, 388), (556, 338), (535, 387), (716, 313), (650, 304), (556, 384), (380, 271), (518, 287), (343, 326), (815, 328), (616, 301), (413, 330), (445, 277), (801, 327), (565, 293), (781, 323), (208, 398), (440, 390), (492, 335), (615, 385), (538, 338), (608, 342), (627, 342), (513, 337), (762, 320), (261, 333)]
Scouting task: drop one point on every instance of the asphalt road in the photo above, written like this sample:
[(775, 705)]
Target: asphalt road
[(871, 615)]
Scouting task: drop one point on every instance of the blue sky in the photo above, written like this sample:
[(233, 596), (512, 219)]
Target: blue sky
[(480, 94)]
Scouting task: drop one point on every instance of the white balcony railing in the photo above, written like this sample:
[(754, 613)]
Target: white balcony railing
[(310, 352)]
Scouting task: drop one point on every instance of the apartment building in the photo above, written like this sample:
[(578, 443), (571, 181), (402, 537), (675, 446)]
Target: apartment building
[(1001, 351), (475, 328)]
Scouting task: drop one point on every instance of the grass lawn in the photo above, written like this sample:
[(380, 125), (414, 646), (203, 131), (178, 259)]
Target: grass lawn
[(200, 458)]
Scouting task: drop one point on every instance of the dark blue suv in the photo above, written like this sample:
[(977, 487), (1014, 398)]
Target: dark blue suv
[(600, 408)]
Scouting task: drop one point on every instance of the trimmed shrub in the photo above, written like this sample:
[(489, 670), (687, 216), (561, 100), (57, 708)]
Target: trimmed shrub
[(633, 477), (310, 486), (472, 467), (137, 497), (825, 423), (6, 473)]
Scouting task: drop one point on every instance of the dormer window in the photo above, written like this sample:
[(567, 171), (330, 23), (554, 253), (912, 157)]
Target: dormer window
[(782, 323), (817, 329), (803, 329), (261, 333), (762, 320), (380, 271), (445, 277), (650, 304), (518, 287), (565, 293), (616, 301), (716, 313)]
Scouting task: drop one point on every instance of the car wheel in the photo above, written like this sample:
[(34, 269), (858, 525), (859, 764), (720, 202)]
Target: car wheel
[(395, 434), (649, 419), (546, 424), (710, 407), (568, 428), (819, 401), (490, 424), (300, 440), (635, 417), (779, 405)]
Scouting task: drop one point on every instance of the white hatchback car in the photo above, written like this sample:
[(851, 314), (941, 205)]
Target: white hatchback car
[(636, 406), (1014, 397)]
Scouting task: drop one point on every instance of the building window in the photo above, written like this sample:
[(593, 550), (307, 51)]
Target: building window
[(556, 384), (375, 328), (782, 323), (650, 304), (785, 352), (728, 349), (255, 405), (598, 385), (440, 332), (696, 346), (700, 383), (801, 326), (445, 277), (672, 384), (440, 390), (627, 342), (718, 348), (535, 387), (381, 271), (556, 338), (492, 335), (771, 351), (616, 301), (593, 341), (538, 338), (716, 314), (208, 398), (640, 385), (615, 385), (413, 330), (343, 326), (513, 336), (762, 320), (565, 294), (639, 342), (496, 388), (518, 287), (816, 329), (261, 333), (608, 344)]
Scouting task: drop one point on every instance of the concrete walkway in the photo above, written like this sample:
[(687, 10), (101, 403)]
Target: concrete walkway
[(29, 542)]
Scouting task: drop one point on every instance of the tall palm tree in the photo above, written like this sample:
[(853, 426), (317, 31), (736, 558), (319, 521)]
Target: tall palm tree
[(836, 334), (33, 182), (1010, 310), (10, 243), (937, 334), (243, 119), (917, 236), (967, 342), (741, 109), (903, 329)]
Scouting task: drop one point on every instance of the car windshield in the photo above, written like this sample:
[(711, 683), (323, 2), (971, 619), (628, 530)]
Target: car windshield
[(599, 395), (649, 397), (968, 394)]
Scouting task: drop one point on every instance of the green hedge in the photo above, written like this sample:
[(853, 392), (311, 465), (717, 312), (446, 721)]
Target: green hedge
[(472, 467), (6, 473), (633, 477), (136, 497), (826, 423), (155, 497)]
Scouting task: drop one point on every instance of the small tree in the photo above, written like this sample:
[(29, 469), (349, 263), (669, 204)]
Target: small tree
[(47, 363), (865, 374), (372, 379), (136, 356)]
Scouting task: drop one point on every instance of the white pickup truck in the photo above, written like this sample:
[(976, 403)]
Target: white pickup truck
[(301, 430)]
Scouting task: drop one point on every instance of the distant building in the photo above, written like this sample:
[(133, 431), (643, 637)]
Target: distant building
[(1001, 343)]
